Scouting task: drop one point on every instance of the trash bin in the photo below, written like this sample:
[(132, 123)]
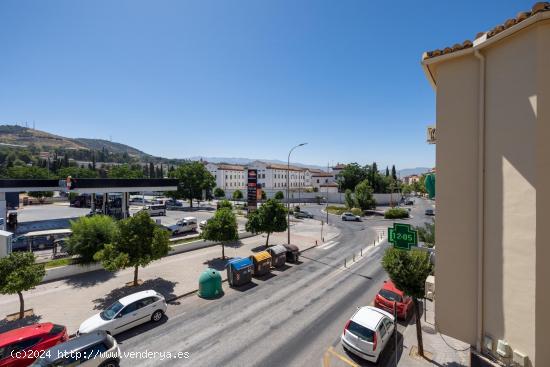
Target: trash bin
[(278, 255), (210, 284), (262, 263), (239, 271), (292, 253)]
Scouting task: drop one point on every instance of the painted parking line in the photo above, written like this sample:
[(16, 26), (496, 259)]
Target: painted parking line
[(330, 353)]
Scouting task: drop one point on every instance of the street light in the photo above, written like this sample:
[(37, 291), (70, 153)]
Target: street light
[(287, 190)]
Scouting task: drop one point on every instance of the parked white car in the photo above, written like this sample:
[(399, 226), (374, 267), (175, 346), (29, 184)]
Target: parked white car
[(349, 216), (186, 224), (367, 332), (127, 312)]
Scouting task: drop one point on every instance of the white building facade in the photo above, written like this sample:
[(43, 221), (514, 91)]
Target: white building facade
[(228, 176)]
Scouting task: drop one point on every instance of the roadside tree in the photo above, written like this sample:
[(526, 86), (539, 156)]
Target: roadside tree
[(408, 270), (237, 195), (219, 193), (351, 176), (279, 195), (363, 196), (222, 228), (268, 218), (225, 204), (348, 198), (194, 179), (138, 242), (426, 234), (90, 235), (125, 171), (18, 273)]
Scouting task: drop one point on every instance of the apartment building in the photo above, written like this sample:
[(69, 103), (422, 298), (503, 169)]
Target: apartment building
[(320, 178), (493, 200), (274, 176), (228, 176)]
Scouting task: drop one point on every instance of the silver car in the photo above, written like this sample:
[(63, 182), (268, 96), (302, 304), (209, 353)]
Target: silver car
[(349, 216), (97, 349)]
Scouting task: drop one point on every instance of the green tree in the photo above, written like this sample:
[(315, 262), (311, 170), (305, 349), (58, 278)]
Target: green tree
[(279, 195), (28, 172), (18, 273), (225, 204), (348, 198), (222, 228), (237, 195), (351, 176), (138, 242), (408, 270), (268, 218), (426, 234), (363, 196), (193, 179), (219, 193), (264, 195), (90, 235), (76, 172), (125, 171), (387, 171), (393, 172)]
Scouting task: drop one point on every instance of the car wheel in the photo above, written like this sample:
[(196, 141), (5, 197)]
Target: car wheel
[(110, 363), (157, 316)]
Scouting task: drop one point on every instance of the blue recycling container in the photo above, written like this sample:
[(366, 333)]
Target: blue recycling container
[(239, 271)]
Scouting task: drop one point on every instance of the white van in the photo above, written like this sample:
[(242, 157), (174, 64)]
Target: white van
[(155, 209), (186, 224)]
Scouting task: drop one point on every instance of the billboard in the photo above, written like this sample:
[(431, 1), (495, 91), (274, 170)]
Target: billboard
[(252, 189)]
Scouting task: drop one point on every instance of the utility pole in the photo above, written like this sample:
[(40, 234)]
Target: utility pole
[(287, 190), (326, 208)]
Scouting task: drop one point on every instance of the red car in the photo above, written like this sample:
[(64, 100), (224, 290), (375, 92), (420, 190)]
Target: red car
[(20, 347), (388, 295)]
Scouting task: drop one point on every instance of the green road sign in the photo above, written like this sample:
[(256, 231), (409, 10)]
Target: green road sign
[(402, 236)]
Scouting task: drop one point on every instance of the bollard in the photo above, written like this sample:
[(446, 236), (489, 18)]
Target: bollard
[(345, 266), (353, 257), (361, 252), (315, 242)]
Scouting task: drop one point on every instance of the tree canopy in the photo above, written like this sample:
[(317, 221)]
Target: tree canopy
[(193, 178), (268, 218), (222, 227), (18, 273), (125, 171), (237, 195), (90, 235), (363, 196), (138, 242)]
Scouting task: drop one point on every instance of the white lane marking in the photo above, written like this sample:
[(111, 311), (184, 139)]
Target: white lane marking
[(328, 245)]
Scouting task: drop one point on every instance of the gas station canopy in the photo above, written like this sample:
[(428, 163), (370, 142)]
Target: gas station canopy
[(90, 185)]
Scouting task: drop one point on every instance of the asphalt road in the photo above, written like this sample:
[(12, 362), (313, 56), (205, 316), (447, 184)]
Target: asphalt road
[(292, 318)]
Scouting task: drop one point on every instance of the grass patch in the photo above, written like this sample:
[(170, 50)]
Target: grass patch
[(396, 213), (338, 210), (185, 240), (59, 262)]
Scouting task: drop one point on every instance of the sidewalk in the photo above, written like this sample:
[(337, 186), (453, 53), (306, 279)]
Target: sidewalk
[(70, 301), (440, 350)]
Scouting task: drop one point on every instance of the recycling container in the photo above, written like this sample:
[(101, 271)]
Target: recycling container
[(278, 255), (239, 271), (292, 253), (210, 283), (262, 263)]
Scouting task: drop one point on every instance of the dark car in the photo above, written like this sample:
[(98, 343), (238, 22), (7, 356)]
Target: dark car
[(429, 212), (94, 349), (409, 202), (303, 214)]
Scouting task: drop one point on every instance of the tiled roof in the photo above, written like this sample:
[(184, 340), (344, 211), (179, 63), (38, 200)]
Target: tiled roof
[(284, 167), (322, 174), (230, 167), (520, 17)]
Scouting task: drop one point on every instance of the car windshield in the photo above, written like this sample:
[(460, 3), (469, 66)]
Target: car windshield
[(389, 295), (361, 331), (110, 312)]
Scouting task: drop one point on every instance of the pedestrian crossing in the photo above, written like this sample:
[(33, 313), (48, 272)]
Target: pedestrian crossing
[(329, 244)]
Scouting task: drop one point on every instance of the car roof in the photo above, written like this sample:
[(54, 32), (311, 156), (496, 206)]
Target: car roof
[(389, 286), (369, 316), (75, 344), (24, 332), (137, 296), (190, 218)]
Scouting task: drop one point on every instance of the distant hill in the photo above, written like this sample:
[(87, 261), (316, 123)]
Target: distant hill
[(245, 161), (413, 171), (20, 135)]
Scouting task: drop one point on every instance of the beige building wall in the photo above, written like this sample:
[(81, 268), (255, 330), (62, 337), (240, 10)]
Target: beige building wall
[(516, 266)]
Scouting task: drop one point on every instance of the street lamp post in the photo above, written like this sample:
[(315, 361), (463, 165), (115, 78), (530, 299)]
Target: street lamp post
[(287, 190)]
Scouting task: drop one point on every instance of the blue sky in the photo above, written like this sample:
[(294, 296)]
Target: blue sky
[(235, 78)]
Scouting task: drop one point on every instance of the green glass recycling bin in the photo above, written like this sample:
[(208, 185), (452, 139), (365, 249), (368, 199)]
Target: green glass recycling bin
[(210, 284)]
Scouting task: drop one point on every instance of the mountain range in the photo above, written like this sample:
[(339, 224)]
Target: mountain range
[(16, 136)]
